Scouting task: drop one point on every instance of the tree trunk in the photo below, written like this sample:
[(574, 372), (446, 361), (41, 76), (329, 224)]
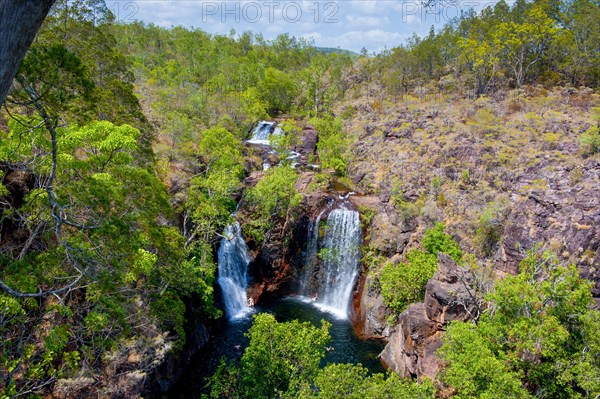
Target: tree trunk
[(20, 21)]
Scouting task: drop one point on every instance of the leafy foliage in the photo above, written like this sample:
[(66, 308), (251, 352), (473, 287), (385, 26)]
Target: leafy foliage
[(354, 382), (94, 225), (530, 340), (280, 357), (332, 145), (404, 283), (273, 198), (435, 240), (282, 360)]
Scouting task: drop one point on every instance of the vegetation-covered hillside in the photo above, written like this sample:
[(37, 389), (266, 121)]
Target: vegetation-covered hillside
[(122, 160)]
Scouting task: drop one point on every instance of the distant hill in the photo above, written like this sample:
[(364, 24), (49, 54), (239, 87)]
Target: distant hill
[(338, 50)]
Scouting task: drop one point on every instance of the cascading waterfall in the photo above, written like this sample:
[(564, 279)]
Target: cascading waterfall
[(262, 132), (233, 261), (338, 269), (310, 258)]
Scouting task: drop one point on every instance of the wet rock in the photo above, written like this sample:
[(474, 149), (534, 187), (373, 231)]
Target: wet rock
[(369, 315)]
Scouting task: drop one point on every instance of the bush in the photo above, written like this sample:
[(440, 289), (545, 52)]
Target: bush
[(332, 145), (490, 227), (279, 358), (590, 141), (274, 197), (435, 240), (404, 284)]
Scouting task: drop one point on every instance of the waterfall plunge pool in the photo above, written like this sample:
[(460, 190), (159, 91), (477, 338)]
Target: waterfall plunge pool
[(347, 346)]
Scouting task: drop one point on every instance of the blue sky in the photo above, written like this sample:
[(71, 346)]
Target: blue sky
[(348, 24)]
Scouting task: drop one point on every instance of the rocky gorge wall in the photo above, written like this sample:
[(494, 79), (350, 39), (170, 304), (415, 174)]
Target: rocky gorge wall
[(423, 163)]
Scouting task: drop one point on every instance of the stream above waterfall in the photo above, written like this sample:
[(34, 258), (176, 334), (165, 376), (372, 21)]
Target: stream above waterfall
[(347, 346)]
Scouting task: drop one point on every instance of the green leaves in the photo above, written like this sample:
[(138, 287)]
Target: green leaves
[(211, 197), (282, 361), (279, 359), (435, 240), (274, 197), (277, 90), (404, 283), (474, 370), (354, 382), (332, 146), (536, 326)]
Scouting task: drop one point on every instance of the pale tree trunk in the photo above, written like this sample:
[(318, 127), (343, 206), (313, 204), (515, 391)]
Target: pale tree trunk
[(20, 21)]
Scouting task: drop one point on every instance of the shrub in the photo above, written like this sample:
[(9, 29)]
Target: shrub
[(436, 240), (590, 141), (274, 197), (332, 145), (404, 284), (490, 227)]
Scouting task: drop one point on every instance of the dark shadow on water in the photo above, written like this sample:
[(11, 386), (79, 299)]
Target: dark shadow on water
[(347, 347)]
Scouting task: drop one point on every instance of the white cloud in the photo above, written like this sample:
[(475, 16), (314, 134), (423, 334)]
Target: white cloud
[(349, 24), (366, 21)]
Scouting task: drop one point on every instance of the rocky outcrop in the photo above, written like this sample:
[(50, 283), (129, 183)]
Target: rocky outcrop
[(388, 233), (278, 262), (175, 362), (558, 206), (368, 313), (411, 348)]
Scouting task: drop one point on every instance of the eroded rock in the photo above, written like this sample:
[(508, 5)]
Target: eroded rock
[(411, 348)]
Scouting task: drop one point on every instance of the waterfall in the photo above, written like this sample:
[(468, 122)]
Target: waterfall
[(310, 258), (262, 132), (338, 268), (233, 261)]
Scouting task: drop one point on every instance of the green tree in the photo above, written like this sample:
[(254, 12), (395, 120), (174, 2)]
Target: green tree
[(278, 90), (273, 198), (525, 44), (332, 144), (279, 358), (211, 197), (435, 240), (354, 382), (404, 283), (473, 370), (530, 336), (92, 226)]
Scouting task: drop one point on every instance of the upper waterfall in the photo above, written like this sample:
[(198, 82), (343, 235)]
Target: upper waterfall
[(330, 283), (233, 259), (262, 131)]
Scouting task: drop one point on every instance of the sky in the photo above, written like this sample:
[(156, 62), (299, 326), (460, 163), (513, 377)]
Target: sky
[(348, 24)]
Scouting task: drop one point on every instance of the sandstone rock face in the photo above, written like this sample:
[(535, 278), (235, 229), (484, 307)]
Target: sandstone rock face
[(162, 377), (279, 261), (368, 312), (560, 207), (388, 233), (411, 348)]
